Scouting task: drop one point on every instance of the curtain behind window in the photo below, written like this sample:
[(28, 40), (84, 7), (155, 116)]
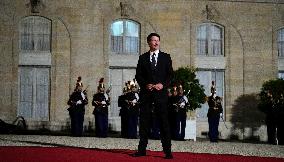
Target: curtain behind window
[(125, 37), (281, 42), (35, 34), (209, 40)]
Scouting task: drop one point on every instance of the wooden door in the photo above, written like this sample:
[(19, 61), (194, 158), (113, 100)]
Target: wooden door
[(34, 93)]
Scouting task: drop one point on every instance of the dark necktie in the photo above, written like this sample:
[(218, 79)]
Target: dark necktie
[(153, 61)]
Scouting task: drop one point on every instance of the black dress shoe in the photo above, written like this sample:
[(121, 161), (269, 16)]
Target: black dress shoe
[(139, 153), (169, 156)]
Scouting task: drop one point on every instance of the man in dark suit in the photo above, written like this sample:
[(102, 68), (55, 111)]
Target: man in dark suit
[(153, 74)]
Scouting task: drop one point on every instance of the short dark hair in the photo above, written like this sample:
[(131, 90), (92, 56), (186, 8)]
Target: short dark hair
[(151, 35)]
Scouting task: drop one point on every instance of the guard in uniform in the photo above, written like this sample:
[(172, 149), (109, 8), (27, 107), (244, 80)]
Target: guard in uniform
[(280, 120), (77, 102), (173, 100), (123, 113), (132, 105), (271, 119), (214, 111), (274, 118), (181, 114), (101, 103)]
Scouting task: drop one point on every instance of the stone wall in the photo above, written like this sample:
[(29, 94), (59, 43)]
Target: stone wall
[(80, 44)]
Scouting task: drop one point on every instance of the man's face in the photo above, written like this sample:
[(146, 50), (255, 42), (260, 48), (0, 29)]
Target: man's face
[(175, 93), (133, 89), (180, 92), (154, 43), (79, 88), (102, 89)]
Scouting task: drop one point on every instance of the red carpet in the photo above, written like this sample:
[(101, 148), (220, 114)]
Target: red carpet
[(74, 154)]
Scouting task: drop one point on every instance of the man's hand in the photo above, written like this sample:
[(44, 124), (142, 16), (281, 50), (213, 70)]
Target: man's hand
[(150, 87), (158, 86)]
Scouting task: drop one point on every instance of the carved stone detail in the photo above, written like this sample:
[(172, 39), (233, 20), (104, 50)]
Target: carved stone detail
[(126, 9), (35, 5), (208, 12)]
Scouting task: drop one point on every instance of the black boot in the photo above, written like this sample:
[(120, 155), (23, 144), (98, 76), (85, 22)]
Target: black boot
[(169, 156), (139, 153)]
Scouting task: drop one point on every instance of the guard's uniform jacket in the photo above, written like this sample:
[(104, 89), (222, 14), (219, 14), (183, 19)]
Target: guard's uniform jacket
[(74, 98), (132, 102), (101, 103), (215, 106)]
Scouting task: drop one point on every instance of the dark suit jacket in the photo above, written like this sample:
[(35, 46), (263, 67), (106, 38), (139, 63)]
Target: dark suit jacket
[(162, 74)]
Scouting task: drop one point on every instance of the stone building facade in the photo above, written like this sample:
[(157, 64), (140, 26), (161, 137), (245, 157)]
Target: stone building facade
[(46, 44)]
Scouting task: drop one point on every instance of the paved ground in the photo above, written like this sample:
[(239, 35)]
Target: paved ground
[(199, 146)]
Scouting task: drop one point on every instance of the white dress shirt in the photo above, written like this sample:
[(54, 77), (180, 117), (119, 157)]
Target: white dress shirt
[(156, 56)]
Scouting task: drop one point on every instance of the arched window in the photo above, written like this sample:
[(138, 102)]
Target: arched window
[(280, 42), (125, 37), (35, 34), (210, 40)]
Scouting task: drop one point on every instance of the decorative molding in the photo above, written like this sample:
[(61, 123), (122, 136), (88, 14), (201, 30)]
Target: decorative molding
[(35, 5), (253, 1), (210, 62), (125, 9), (208, 13), (35, 59), (211, 14), (120, 60), (281, 64)]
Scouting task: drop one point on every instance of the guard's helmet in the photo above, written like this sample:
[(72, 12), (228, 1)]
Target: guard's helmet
[(101, 86)]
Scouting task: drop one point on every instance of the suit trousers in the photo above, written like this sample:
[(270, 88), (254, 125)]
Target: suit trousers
[(161, 112)]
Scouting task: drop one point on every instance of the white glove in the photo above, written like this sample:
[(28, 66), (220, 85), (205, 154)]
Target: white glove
[(134, 101), (78, 102), (83, 96), (103, 102), (182, 105)]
